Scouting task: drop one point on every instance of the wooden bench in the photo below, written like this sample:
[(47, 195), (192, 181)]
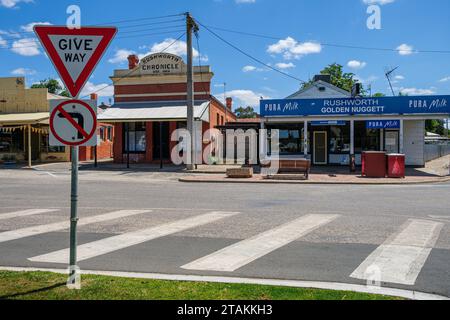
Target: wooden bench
[(302, 166)]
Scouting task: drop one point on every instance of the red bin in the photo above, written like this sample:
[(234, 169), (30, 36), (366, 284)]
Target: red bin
[(396, 165), (374, 164)]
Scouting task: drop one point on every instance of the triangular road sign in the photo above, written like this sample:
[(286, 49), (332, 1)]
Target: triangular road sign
[(75, 52)]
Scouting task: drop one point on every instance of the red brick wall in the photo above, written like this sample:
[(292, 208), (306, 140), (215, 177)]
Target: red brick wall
[(104, 150)]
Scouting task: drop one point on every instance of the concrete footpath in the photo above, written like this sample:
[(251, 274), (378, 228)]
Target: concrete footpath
[(436, 171)]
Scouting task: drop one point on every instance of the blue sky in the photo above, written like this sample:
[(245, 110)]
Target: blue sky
[(303, 26)]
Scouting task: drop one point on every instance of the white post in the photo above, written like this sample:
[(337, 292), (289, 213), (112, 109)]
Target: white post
[(382, 146), (29, 145), (305, 138), (402, 131), (352, 137)]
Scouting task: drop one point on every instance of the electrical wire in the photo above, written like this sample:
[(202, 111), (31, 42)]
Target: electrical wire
[(132, 71), (250, 56), (327, 44)]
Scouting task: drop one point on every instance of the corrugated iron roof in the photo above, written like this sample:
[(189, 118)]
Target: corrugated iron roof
[(154, 111)]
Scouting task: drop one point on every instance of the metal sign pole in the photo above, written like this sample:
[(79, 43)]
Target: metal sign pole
[(74, 216)]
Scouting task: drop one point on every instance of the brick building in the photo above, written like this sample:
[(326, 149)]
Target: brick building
[(150, 104)]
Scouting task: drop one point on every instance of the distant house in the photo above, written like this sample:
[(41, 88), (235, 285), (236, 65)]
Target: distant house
[(24, 126)]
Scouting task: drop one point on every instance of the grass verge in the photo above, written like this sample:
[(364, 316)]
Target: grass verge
[(50, 286)]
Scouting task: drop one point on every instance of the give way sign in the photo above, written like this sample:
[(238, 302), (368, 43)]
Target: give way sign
[(75, 52), (73, 123)]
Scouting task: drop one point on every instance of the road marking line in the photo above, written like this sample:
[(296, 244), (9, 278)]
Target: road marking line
[(25, 213), (58, 226), (401, 258), (104, 246), (242, 253)]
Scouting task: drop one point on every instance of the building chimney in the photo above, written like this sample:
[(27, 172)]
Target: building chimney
[(322, 77), (133, 61), (229, 103), (94, 96)]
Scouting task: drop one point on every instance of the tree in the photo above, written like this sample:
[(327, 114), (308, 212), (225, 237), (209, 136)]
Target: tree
[(379, 95), (246, 113), (52, 86), (339, 78), (435, 126)]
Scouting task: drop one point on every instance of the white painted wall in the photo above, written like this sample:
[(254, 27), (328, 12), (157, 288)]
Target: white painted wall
[(414, 142)]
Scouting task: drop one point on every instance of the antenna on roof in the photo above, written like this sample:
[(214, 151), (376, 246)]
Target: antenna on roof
[(389, 72)]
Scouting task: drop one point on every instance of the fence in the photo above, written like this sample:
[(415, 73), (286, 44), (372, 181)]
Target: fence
[(435, 151)]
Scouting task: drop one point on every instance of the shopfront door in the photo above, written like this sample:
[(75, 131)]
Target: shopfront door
[(161, 140), (392, 141), (320, 147)]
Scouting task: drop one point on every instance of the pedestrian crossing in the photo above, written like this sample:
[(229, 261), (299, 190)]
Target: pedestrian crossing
[(399, 260), (242, 253), (59, 226), (25, 213)]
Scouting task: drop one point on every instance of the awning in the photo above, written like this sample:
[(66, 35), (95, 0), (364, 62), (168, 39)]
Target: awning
[(154, 112), (23, 118)]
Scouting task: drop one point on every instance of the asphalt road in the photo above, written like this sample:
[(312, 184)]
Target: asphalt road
[(288, 232)]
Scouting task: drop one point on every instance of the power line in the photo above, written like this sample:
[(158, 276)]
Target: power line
[(327, 44), (132, 71), (17, 34), (250, 56), (23, 44)]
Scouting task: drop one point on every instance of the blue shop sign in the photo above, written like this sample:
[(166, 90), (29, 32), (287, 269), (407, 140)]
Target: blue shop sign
[(327, 123), (383, 124), (356, 106)]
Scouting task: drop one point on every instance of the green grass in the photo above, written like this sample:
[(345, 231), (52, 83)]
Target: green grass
[(50, 286)]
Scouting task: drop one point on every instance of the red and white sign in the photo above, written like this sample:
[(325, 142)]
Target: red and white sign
[(73, 123), (75, 52)]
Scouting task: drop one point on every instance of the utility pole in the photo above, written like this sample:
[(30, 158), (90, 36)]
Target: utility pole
[(225, 99), (191, 26)]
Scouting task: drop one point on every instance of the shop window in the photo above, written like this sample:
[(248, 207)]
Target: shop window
[(46, 148), (137, 137), (366, 139), (110, 133), (290, 140), (11, 141), (340, 139), (102, 133)]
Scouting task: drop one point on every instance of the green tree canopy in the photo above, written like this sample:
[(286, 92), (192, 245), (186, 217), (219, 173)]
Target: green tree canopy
[(53, 86), (339, 78), (246, 113)]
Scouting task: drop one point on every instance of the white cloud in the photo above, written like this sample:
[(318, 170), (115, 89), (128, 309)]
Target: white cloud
[(379, 2), (29, 27), (23, 72), (399, 78), (417, 92), (291, 48), (405, 49), (357, 65), (178, 48), (102, 89), (245, 1), (12, 3), (26, 47), (445, 79), (121, 56), (3, 43), (252, 69), (283, 65), (246, 97)]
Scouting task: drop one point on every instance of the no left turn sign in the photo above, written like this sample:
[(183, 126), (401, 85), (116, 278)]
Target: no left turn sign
[(73, 123)]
